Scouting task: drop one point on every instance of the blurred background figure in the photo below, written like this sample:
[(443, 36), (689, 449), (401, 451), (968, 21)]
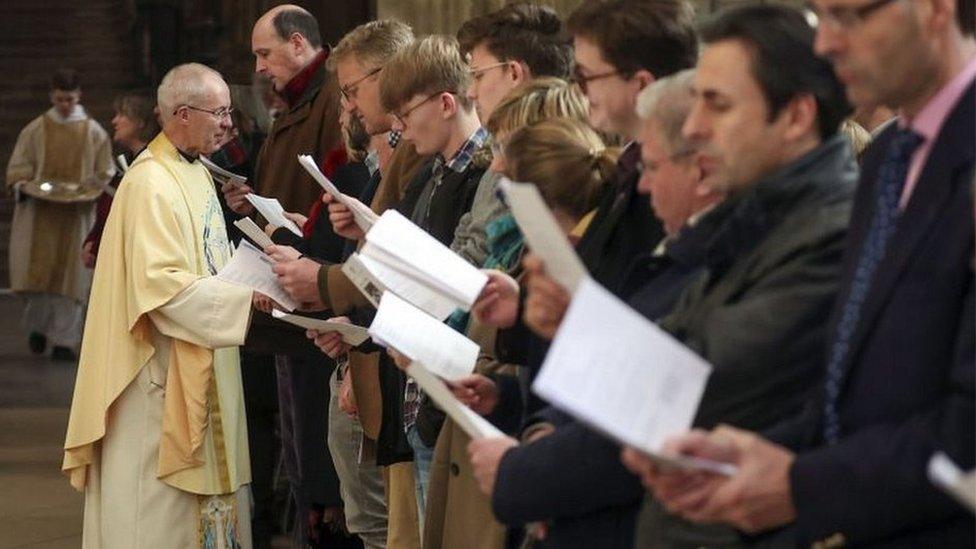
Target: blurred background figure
[(134, 125), (62, 146)]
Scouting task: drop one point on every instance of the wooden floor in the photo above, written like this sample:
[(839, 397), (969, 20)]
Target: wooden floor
[(37, 506)]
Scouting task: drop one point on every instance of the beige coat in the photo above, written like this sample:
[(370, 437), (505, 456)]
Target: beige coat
[(340, 295), (457, 513)]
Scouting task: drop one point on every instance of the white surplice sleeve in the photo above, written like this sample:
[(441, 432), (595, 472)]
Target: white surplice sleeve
[(24, 161), (211, 313)]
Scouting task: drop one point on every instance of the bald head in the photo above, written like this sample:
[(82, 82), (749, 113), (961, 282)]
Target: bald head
[(284, 41), (289, 19)]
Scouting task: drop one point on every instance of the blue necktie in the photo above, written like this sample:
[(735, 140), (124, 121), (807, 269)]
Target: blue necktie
[(891, 180)]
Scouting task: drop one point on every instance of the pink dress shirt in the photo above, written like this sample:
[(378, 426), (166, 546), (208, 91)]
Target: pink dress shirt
[(928, 123)]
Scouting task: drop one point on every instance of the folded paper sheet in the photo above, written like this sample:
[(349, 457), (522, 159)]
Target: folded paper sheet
[(623, 375), (946, 475), (273, 212), (389, 279), (423, 338), (351, 334), (362, 214), (222, 175), (249, 228), (473, 424), (543, 235), (413, 253)]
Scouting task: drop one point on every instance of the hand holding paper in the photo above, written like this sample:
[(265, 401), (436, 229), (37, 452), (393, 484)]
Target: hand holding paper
[(364, 217), (650, 388), (342, 219), (330, 343), (946, 475), (546, 299), (473, 424), (478, 392), (273, 212), (252, 268), (351, 334), (498, 304)]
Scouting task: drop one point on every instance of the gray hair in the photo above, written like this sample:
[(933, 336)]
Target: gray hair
[(668, 101), (185, 84)]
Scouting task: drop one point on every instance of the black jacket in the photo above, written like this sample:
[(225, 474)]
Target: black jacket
[(909, 386), (759, 312), (623, 228), (450, 200)]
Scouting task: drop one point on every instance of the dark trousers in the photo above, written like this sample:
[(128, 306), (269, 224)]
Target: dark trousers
[(261, 405), (303, 399)]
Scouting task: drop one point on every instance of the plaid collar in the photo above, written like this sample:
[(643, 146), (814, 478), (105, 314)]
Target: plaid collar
[(372, 162), (465, 153)]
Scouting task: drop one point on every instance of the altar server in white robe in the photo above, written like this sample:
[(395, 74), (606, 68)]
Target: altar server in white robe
[(64, 144), (157, 436)]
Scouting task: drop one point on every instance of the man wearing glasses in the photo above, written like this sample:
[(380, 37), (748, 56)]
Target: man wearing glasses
[(506, 49), (424, 87), (618, 49), (852, 468), (157, 438)]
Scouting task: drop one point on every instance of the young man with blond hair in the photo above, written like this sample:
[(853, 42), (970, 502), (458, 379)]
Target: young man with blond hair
[(425, 89)]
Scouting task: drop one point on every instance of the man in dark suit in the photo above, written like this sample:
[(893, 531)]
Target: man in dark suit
[(899, 378)]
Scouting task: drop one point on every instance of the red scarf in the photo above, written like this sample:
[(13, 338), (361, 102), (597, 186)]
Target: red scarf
[(334, 159), (298, 85)]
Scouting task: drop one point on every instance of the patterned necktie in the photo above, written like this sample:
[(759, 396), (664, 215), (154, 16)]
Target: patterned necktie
[(891, 180)]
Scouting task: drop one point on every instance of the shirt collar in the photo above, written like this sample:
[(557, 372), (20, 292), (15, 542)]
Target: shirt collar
[(298, 85), (465, 153), (690, 223), (187, 156), (928, 122), (77, 114)]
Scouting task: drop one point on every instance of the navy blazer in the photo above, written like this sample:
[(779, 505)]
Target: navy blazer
[(909, 385)]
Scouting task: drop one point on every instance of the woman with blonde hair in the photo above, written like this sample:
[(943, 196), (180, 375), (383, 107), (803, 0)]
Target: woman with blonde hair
[(538, 99), (567, 161), (541, 103)]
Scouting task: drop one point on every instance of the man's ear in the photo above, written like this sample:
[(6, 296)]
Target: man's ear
[(800, 116), (644, 78), (937, 16), (298, 43), (518, 72), (449, 104)]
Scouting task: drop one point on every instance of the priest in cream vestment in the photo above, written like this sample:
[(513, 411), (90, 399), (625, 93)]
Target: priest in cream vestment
[(63, 144), (157, 438)]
